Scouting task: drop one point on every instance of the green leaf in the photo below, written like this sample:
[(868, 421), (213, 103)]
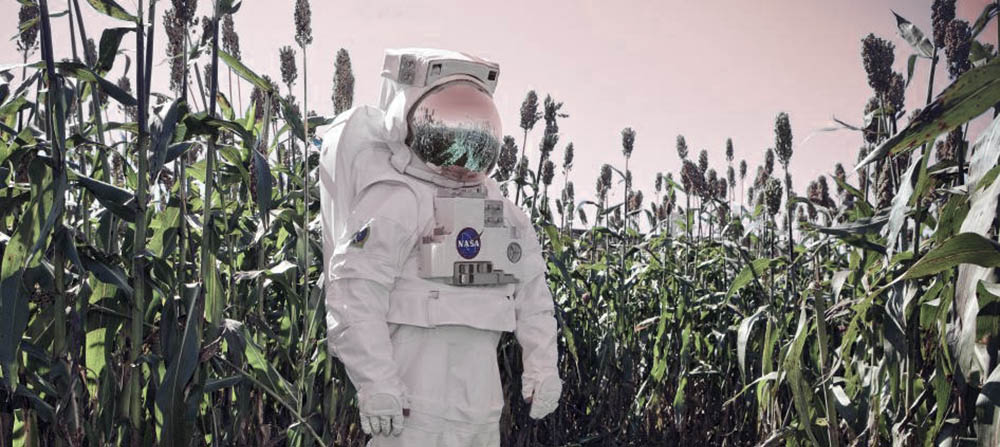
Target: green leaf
[(244, 72), (899, 208), (293, 118), (988, 13), (964, 248), (81, 72), (991, 389), (743, 338), (801, 390), (117, 200), (111, 39), (176, 150), (13, 106), (751, 271), (112, 9), (111, 274), (171, 398), (164, 227), (264, 371), (911, 63), (229, 6), (865, 225), (213, 385), (978, 54), (988, 320), (162, 134), (969, 96), (95, 356), (22, 251), (859, 197), (264, 182), (914, 36)]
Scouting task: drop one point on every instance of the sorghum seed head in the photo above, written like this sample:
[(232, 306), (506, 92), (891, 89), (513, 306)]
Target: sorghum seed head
[(682, 147), (343, 82), (783, 139), (878, 55), (896, 94), (551, 115), (942, 13), (743, 169), (90, 52), (507, 158), (303, 23), (958, 43), (257, 97), (568, 157), (885, 186), (628, 141), (548, 143), (761, 179), (230, 40), (605, 178), (948, 149), (522, 169), (289, 72), (27, 35), (773, 196), (769, 162), (529, 111), (729, 150), (548, 171), (703, 160), (691, 177), (174, 25), (840, 174), (635, 200), (185, 9)]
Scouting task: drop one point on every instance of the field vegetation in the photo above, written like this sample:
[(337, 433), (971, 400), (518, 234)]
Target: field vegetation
[(161, 277)]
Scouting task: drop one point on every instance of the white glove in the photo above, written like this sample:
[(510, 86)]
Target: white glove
[(545, 397), (381, 414)]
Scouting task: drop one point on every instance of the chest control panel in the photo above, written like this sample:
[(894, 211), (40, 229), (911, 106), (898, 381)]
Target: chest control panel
[(472, 243)]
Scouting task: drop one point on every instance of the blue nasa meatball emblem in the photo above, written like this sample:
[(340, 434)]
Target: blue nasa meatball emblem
[(359, 238), (467, 243)]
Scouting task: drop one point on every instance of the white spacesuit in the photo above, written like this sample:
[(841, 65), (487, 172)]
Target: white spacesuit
[(426, 263)]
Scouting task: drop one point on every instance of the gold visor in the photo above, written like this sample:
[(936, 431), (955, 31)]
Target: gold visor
[(455, 129)]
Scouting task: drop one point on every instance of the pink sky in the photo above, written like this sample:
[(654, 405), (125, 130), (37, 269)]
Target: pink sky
[(708, 70)]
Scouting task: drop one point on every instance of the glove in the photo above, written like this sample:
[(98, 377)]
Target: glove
[(381, 414), (544, 397)]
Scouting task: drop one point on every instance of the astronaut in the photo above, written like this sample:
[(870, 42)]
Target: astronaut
[(426, 263)]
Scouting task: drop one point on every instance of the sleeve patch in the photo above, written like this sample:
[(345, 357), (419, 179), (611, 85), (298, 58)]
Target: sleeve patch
[(360, 237)]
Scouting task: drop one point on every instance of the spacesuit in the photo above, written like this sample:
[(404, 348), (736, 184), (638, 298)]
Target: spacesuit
[(426, 263)]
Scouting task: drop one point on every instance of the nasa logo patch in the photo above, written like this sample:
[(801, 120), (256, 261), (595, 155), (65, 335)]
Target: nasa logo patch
[(359, 238), (467, 243)]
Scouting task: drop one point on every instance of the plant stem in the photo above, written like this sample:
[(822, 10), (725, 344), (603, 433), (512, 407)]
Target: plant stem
[(208, 266), (139, 245)]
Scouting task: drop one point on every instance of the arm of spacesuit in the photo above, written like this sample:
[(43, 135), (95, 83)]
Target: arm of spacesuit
[(362, 270), (536, 333), (359, 335)]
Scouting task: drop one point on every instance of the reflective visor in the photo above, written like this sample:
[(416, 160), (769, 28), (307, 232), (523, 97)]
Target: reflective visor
[(455, 129)]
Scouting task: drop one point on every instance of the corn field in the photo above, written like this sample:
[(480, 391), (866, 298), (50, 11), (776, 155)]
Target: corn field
[(161, 277)]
